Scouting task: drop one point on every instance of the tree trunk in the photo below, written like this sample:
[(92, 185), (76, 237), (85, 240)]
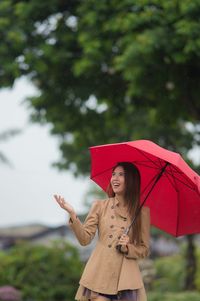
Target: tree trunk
[(191, 263)]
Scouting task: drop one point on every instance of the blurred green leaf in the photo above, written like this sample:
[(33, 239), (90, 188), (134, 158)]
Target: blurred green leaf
[(42, 273)]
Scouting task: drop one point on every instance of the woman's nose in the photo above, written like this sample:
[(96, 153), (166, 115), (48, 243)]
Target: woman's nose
[(115, 176)]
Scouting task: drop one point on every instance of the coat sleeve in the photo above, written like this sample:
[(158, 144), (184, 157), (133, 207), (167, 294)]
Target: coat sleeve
[(85, 232), (141, 250)]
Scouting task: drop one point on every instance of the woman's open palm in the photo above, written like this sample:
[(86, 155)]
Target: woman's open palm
[(63, 204)]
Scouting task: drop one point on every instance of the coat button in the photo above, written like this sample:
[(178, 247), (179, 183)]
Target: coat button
[(112, 216), (111, 236), (111, 226), (109, 246)]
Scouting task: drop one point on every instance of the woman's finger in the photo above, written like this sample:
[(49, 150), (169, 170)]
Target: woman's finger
[(124, 240), (56, 197), (59, 200)]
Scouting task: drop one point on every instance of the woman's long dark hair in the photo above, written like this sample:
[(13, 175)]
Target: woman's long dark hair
[(132, 194)]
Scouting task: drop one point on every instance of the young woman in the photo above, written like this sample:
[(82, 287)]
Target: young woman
[(110, 274)]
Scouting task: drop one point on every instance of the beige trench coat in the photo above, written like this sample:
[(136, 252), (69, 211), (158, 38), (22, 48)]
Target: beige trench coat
[(107, 271)]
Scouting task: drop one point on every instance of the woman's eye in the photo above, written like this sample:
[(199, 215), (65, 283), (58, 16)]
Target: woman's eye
[(121, 174)]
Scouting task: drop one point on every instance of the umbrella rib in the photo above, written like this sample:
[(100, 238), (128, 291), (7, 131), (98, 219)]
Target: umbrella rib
[(145, 165), (178, 217), (154, 177), (135, 162), (101, 172), (188, 182), (149, 183), (179, 180), (162, 171), (167, 172), (158, 176), (172, 181), (156, 165), (149, 159), (178, 198)]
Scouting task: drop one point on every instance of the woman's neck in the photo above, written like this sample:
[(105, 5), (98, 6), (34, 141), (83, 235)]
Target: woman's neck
[(121, 200)]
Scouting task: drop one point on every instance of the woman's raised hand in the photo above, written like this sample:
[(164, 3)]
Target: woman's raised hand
[(64, 205)]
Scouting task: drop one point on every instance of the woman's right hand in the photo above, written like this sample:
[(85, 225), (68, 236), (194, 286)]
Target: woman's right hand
[(64, 205)]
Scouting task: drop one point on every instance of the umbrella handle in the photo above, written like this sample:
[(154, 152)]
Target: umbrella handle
[(119, 247)]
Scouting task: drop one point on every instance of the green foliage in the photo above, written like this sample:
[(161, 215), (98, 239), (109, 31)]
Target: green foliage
[(170, 273), (3, 137), (197, 280), (42, 273), (183, 296), (107, 71)]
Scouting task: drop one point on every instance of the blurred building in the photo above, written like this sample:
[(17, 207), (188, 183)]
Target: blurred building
[(41, 234)]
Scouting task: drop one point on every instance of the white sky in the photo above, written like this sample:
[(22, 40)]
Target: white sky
[(26, 190)]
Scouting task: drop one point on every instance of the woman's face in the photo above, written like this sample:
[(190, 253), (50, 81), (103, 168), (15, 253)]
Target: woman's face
[(118, 180)]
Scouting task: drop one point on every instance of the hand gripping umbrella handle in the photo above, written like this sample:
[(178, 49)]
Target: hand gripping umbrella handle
[(126, 231)]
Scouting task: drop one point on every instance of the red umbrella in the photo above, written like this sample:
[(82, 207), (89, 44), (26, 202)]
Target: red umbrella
[(169, 187)]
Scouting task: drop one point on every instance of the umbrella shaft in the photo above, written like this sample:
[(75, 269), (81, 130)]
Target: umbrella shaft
[(126, 231)]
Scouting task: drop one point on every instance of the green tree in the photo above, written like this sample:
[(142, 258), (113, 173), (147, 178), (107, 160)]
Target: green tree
[(42, 273), (3, 137), (106, 71)]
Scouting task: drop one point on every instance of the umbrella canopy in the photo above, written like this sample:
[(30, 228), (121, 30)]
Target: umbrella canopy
[(174, 200)]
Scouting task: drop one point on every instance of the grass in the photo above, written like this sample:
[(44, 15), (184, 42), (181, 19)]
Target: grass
[(168, 296)]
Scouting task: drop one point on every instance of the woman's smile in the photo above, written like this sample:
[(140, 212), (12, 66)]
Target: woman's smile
[(118, 180)]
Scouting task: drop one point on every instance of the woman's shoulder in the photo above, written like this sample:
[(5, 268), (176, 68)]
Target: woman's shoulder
[(98, 206), (102, 202)]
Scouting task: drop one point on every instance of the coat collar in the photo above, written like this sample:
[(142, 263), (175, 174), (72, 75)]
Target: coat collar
[(118, 209)]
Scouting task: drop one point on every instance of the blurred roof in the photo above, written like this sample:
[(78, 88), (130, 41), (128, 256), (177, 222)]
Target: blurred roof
[(28, 230)]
